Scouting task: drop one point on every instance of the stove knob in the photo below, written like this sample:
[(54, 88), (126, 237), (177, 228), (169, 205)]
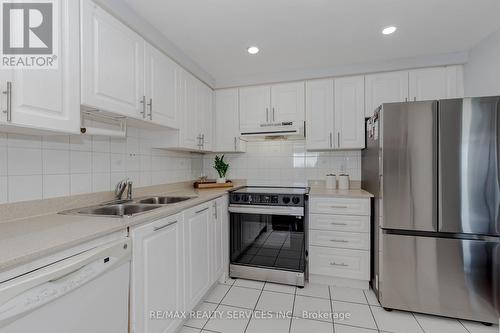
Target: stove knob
[(286, 200), (236, 197), (296, 200)]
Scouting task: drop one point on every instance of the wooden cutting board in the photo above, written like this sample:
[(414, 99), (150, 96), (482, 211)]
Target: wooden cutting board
[(209, 184)]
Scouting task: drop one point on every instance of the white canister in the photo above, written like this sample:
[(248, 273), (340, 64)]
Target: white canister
[(343, 182), (331, 182)]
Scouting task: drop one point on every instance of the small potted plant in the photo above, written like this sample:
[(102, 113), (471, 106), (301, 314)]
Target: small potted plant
[(221, 168)]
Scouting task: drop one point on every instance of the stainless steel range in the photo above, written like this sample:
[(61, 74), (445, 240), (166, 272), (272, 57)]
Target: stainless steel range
[(267, 234)]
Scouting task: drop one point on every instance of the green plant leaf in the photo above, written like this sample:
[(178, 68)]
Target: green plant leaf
[(220, 166)]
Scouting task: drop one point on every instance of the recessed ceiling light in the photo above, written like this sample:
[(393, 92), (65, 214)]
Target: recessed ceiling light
[(389, 30), (253, 50)]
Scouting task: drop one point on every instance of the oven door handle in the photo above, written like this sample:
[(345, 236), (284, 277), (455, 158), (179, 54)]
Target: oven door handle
[(269, 210)]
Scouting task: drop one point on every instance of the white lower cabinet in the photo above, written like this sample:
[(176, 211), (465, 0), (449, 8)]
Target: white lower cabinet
[(219, 240), (339, 241), (176, 260), (197, 228), (157, 274)]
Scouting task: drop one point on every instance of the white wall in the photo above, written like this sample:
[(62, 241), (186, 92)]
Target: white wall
[(482, 71), (34, 167), (285, 163)]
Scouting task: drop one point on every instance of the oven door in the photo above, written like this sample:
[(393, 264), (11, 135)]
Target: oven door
[(267, 237)]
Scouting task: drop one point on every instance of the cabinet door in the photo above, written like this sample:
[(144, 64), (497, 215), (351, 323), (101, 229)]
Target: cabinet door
[(48, 99), (287, 102), (205, 116), (455, 81), (189, 133), (112, 64), (254, 107), (349, 113), (227, 122), (161, 75), (385, 88), (319, 114), (157, 274), (428, 84), (197, 224), (220, 241)]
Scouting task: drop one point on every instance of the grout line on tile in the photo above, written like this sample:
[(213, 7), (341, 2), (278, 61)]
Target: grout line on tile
[(463, 325), (375, 320), (331, 307), (414, 317), (255, 307)]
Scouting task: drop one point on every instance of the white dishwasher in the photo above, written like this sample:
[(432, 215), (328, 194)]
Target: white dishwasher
[(82, 293)]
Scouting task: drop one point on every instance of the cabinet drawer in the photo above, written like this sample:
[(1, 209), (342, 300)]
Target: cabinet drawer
[(351, 264), (355, 223), (340, 206), (340, 239)]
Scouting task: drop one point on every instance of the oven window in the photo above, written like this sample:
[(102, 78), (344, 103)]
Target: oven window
[(269, 241)]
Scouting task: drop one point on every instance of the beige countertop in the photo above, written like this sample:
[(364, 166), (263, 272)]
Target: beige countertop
[(321, 191), (27, 239)]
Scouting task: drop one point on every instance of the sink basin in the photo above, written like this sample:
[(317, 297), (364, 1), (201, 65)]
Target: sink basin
[(163, 200), (119, 210)]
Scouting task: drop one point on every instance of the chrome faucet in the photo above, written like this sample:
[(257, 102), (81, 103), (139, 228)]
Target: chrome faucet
[(120, 188), (129, 190)]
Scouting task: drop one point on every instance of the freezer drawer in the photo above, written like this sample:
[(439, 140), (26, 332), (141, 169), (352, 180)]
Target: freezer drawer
[(442, 276)]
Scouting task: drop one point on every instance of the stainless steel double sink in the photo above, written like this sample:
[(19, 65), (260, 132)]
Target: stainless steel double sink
[(128, 208)]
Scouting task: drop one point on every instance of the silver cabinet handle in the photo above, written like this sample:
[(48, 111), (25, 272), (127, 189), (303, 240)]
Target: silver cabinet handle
[(415, 98), (406, 99), (199, 140), (331, 140), (201, 210), (336, 206), (333, 263), (8, 94), (338, 139), (274, 113), (336, 223), (164, 226), (215, 210), (339, 240), (143, 102), (235, 143), (267, 115), (203, 140), (150, 104)]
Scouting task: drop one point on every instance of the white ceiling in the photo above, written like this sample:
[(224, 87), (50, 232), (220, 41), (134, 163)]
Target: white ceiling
[(300, 35)]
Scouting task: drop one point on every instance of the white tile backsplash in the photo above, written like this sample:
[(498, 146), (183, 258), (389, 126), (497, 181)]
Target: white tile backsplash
[(286, 163), (34, 167)]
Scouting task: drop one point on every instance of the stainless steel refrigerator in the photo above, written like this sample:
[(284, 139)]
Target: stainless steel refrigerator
[(434, 168)]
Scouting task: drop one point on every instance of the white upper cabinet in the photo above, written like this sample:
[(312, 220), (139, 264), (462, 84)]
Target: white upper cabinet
[(455, 81), (319, 114), (227, 122), (205, 116), (427, 84), (436, 83), (349, 112), (262, 105), (189, 133), (112, 63), (287, 102), (385, 88), (160, 88), (255, 104), (47, 99)]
